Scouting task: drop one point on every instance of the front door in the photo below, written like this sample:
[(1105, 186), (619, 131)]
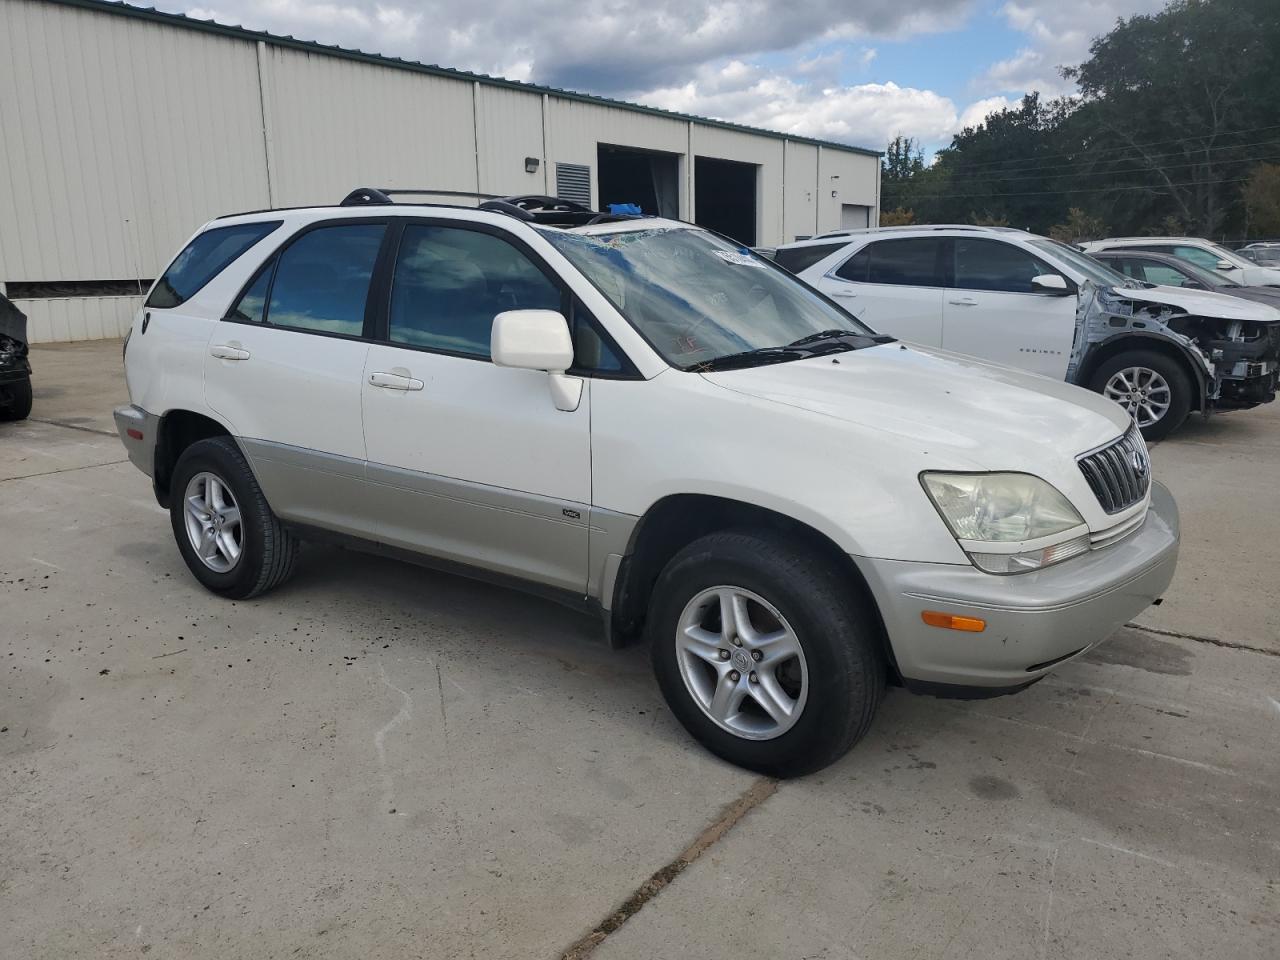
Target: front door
[(992, 310), (284, 371), (893, 286), (469, 461)]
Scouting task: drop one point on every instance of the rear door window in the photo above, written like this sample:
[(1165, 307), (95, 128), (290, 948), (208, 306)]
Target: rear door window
[(204, 258), (322, 279), (910, 261)]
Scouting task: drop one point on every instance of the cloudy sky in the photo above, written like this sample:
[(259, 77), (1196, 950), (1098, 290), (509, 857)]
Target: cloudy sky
[(856, 71)]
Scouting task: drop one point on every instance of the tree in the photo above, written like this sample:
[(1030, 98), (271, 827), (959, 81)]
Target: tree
[(900, 171), (1174, 102), (1262, 200), (1078, 227), (897, 217)]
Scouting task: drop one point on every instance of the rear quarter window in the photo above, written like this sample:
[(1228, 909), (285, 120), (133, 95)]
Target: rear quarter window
[(204, 258), (797, 259)]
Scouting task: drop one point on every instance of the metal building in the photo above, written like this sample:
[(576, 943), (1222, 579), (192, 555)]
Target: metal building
[(123, 129)]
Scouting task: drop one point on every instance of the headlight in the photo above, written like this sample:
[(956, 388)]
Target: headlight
[(1007, 522)]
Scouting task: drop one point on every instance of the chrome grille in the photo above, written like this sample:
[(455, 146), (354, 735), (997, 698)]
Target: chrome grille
[(1119, 473)]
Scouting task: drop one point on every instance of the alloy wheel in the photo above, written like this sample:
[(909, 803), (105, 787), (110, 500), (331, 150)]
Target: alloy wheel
[(213, 522), (742, 663), (1142, 391)]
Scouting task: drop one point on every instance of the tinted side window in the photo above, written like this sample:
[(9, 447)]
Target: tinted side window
[(449, 284), (802, 258), (855, 268), (252, 305), (909, 262), (203, 259), (995, 265), (322, 279), (1163, 274), (1195, 255)]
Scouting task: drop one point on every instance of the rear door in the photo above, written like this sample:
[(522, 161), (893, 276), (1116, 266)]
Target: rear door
[(895, 286), (992, 310), (285, 367), (469, 461)]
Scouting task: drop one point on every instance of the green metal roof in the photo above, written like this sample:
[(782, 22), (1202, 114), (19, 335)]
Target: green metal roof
[(310, 46)]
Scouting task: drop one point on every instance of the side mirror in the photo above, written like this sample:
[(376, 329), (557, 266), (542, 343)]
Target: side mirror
[(1190, 284), (538, 340), (1225, 265), (1049, 283)]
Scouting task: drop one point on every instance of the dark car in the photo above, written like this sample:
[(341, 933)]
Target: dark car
[(15, 369), (1167, 271)]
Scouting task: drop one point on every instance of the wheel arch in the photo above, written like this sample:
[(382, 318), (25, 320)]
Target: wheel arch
[(676, 520), (178, 429), (1135, 340)]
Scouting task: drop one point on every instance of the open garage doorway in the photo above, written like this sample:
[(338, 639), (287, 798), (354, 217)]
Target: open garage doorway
[(648, 178), (724, 193)]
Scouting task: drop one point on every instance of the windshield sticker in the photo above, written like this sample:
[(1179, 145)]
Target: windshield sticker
[(741, 259)]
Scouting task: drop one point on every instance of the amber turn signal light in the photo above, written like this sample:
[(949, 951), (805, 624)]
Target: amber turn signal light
[(951, 621)]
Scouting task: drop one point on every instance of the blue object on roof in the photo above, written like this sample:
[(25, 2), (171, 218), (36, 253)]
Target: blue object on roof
[(626, 209)]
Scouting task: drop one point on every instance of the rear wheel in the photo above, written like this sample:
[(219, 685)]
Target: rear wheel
[(764, 653), (1154, 388), (15, 400), (226, 532)]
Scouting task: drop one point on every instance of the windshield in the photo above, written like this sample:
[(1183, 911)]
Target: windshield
[(697, 298), (1082, 262)]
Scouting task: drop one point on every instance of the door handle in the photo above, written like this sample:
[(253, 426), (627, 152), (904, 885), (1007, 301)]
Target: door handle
[(964, 302), (844, 293), (394, 381), (225, 351)]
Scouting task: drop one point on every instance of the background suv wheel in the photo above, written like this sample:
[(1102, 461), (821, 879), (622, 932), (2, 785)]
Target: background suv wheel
[(764, 652), (226, 532)]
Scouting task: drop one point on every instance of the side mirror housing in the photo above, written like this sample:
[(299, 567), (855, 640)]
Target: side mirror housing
[(1049, 283), (1225, 265), (538, 340), (532, 340)]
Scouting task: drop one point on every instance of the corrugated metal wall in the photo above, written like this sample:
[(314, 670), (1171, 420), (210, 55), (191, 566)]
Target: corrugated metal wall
[(120, 136)]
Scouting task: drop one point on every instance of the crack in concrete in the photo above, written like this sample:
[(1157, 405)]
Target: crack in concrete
[(751, 798), (72, 426), (50, 473), (1214, 641)]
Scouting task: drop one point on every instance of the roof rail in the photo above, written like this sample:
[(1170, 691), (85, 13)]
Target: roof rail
[(531, 208)]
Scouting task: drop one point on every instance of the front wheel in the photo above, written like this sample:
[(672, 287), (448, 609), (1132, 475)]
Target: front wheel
[(15, 400), (1154, 388), (764, 652)]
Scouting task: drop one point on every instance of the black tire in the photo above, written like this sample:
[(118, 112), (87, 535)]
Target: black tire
[(267, 550), (826, 613), (15, 400), (1174, 374)]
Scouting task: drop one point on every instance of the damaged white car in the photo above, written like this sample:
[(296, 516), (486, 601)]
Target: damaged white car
[(1031, 302)]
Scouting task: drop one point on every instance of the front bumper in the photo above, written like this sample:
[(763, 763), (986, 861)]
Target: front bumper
[(138, 431), (1034, 621)]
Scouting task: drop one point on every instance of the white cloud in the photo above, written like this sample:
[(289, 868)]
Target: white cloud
[(1058, 35), (866, 114)]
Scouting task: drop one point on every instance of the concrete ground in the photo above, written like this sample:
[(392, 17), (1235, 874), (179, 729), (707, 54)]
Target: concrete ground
[(378, 761)]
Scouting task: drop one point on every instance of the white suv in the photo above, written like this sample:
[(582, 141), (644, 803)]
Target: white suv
[(1031, 302), (644, 420)]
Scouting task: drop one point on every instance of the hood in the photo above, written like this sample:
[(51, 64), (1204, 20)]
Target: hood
[(953, 406), (1202, 303)]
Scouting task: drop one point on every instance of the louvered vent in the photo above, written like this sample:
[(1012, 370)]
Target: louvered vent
[(573, 182)]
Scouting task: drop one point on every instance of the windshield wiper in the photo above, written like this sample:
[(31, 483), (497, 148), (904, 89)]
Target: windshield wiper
[(843, 336), (751, 358)]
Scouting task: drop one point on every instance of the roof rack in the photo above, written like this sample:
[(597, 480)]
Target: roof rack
[(531, 208)]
